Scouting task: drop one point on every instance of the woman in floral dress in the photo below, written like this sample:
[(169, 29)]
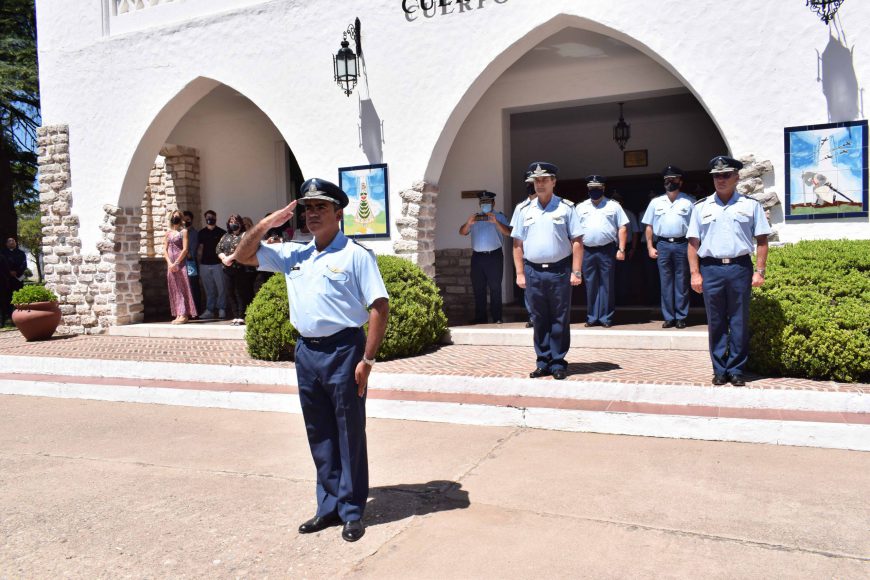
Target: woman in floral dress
[(175, 250)]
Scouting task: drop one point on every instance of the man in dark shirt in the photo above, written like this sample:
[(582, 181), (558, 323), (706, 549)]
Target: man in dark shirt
[(210, 268), (17, 260)]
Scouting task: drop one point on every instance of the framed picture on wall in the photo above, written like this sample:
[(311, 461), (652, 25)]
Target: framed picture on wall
[(367, 214), (635, 158), (826, 171)]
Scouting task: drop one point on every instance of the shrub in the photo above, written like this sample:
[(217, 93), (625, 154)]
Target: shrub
[(417, 318), (268, 331), (812, 316), (33, 293)]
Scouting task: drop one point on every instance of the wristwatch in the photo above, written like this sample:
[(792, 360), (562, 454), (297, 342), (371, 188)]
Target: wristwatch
[(760, 271), (578, 273), (620, 250), (369, 361)]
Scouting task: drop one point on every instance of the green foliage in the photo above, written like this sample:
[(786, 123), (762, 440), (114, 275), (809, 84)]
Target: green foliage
[(30, 237), (417, 318), (33, 293), (812, 316), (416, 322), (268, 331)]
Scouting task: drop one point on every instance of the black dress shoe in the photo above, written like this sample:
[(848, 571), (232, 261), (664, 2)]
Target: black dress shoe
[(353, 531), (720, 379), (588, 324), (669, 323), (318, 523), (560, 374), (681, 324), (538, 373), (498, 321), (738, 381), (606, 324), (529, 324)]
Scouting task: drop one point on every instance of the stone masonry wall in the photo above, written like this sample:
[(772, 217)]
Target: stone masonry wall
[(416, 226), (95, 289), (452, 275), (172, 184)]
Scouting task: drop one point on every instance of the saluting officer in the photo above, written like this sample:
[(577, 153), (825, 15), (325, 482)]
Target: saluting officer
[(547, 256), (667, 221), (487, 259), (332, 282), (720, 235), (604, 226)]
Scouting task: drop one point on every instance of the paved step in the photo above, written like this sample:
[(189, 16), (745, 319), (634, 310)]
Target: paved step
[(221, 330)]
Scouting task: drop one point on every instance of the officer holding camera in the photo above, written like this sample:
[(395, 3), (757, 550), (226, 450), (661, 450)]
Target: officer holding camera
[(487, 259)]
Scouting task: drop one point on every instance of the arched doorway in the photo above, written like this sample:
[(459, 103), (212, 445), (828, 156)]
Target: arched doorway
[(557, 101)]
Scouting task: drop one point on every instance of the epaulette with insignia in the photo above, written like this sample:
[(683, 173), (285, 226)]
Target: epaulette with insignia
[(364, 247), (568, 202), (524, 204), (298, 242), (702, 200)]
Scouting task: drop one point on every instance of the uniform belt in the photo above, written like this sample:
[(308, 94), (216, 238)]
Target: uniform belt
[(550, 265), (682, 240), (488, 252), (607, 245), (332, 338), (737, 260)]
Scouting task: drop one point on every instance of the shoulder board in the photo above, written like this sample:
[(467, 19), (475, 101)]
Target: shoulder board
[(296, 242), (568, 202), (366, 248), (702, 200), (524, 204)]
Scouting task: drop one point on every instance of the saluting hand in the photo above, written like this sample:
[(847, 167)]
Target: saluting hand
[(276, 218), (361, 374)]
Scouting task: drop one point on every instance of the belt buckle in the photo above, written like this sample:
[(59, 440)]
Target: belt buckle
[(545, 266), (672, 239), (726, 260)]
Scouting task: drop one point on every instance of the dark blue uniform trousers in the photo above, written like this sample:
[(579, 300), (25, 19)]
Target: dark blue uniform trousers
[(727, 290), (673, 265), (548, 297), (599, 269), (487, 270), (335, 420)]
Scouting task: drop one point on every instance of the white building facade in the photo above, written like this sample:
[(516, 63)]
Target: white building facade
[(228, 104)]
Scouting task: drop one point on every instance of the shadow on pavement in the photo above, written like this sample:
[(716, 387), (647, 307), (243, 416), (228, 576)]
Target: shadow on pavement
[(396, 502), (591, 367)]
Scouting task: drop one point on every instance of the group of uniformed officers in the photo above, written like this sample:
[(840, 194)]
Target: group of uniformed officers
[(704, 244)]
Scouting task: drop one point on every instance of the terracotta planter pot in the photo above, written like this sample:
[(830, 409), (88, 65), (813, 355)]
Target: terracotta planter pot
[(36, 321)]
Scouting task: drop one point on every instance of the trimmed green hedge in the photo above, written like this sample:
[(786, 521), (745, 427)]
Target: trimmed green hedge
[(416, 322), (811, 318)]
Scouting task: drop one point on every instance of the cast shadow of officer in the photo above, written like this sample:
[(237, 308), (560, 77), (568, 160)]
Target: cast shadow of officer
[(591, 367), (392, 503)]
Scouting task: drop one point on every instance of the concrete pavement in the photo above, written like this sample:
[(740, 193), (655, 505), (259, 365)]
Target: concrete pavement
[(98, 489)]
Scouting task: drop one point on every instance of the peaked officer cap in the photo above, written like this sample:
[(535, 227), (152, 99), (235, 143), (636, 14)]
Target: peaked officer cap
[(724, 164), (541, 169), (486, 195), (672, 171), (316, 188), (595, 181)]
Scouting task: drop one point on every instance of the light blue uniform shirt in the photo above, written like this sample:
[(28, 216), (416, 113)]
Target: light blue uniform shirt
[(669, 220), (485, 236), (546, 232), (517, 218), (601, 223), (329, 290), (727, 230)]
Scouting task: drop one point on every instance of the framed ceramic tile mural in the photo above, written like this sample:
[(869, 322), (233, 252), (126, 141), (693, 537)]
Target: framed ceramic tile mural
[(826, 171), (368, 213)]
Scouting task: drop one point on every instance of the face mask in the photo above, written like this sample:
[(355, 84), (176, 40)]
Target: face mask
[(187, 223), (175, 220), (486, 208), (234, 227), (596, 193), (671, 186), (210, 221)]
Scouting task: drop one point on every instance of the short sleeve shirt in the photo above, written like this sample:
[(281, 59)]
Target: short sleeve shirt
[(727, 230), (669, 219), (329, 290), (601, 223), (546, 232), (485, 236)]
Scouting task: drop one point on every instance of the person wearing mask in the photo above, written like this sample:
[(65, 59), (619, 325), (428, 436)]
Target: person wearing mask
[(191, 262), (604, 226), (211, 268), (487, 259), (547, 257), (239, 277), (667, 221), (334, 288), (721, 233), (175, 249)]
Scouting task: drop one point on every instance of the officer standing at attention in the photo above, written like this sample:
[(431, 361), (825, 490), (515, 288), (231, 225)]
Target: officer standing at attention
[(332, 282), (720, 243), (487, 259), (547, 256), (605, 231), (667, 221)]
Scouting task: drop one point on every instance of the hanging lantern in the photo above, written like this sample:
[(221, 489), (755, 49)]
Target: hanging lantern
[(825, 9), (622, 130)]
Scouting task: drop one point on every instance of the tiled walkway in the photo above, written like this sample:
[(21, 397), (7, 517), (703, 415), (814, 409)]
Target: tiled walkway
[(684, 368)]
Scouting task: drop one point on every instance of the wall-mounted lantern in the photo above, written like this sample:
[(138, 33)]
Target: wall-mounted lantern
[(346, 63), (621, 131), (825, 9)]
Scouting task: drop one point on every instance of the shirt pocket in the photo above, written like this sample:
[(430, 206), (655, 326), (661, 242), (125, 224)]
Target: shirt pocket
[(335, 282), (528, 220), (708, 219), (558, 220), (741, 218)]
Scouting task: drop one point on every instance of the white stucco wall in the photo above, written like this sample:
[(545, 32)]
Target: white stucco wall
[(752, 65)]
